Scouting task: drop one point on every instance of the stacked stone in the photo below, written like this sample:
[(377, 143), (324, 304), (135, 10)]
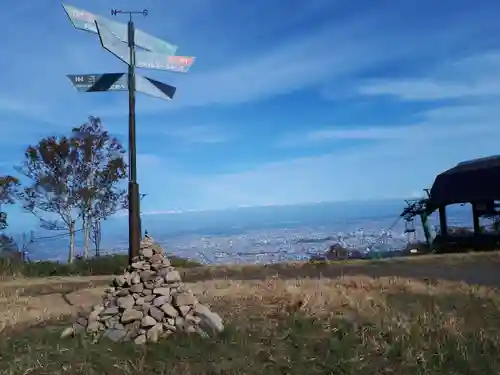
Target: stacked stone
[(146, 303)]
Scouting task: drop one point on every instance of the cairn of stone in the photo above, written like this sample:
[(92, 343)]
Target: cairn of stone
[(148, 302)]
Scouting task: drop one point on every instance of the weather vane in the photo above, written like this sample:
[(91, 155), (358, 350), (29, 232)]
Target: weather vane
[(114, 12)]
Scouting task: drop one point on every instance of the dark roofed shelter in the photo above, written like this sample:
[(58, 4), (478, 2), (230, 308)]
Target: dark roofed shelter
[(475, 180)]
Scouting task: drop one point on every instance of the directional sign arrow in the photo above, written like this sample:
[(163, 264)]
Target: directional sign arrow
[(159, 61), (83, 20), (111, 43), (143, 59), (99, 82), (119, 82), (154, 88)]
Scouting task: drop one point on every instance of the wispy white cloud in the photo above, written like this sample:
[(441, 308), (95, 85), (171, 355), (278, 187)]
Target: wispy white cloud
[(385, 170), (235, 70), (149, 160), (428, 89), (250, 64), (471, 77), (403, 160), (445, 123), (400, 160), (343, 133), (340, 50), (15, 105), (199, 134)]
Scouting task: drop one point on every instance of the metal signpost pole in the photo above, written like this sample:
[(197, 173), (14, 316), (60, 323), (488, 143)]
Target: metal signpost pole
[(134, 225), (134, 220)]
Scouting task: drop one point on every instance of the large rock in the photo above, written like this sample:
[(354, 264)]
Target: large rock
[(159, 301), (130, 315), (126, 302), (185, 299), (145, 304), (169, 310), (148, 321), (172, 276), (156, 313), (162, 291), (115, 334)]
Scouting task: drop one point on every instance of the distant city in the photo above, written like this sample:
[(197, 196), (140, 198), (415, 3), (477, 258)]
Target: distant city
[(260, 234)]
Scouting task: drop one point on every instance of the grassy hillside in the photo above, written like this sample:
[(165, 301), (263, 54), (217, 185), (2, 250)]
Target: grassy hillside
[(103, 265), (349, 325)]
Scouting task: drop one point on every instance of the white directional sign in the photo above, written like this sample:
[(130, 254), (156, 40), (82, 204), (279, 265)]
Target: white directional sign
[(143, 59), (84, 20), (119, 82), (99, 82), (111, 43), (160, 61), (154, 88)]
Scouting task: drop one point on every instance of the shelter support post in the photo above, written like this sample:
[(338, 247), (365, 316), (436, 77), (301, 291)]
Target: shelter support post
[(477, 228), (443, 224), (475, 219)]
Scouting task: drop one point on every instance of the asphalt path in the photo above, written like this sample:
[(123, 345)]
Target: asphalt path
[(479, 271)]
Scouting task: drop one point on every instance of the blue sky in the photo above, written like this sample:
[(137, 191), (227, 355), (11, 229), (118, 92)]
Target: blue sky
[(288, 101)]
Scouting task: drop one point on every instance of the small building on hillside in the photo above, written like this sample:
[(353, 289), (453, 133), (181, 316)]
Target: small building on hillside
[(475, 182)]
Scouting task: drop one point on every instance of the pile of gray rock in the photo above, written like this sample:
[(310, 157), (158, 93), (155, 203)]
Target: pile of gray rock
[(148, 302)]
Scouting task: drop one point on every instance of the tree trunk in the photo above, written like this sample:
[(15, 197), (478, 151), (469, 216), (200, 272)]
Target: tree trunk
[(87, 217), (71, 255), (97, 235), (86, 235)]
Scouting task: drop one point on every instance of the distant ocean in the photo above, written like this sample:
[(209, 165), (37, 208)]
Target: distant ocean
[(261, 234)]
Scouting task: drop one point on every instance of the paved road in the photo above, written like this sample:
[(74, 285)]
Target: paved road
[(479, 271), (482, 271)]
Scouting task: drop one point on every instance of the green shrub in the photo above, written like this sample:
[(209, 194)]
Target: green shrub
[(103, 265)]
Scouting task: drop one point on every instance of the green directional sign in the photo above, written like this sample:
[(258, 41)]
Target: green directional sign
[(99, 82), (83, 20)]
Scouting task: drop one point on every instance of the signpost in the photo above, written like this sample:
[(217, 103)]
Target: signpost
[(155, 54)]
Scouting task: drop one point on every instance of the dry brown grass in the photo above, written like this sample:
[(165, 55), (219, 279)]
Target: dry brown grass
[(389, 325), (354, 324), (317, 297)]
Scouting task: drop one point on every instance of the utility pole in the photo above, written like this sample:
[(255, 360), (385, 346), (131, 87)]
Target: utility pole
[(134, 211)]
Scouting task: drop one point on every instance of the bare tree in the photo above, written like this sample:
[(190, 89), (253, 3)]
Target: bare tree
[(24, 242), (8, 188), (107, 206), (103, 168), (16, 248), (96, 236), (54, 189)]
